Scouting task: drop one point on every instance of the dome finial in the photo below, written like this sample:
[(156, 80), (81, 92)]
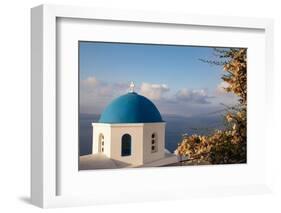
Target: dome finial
[(132, 87)]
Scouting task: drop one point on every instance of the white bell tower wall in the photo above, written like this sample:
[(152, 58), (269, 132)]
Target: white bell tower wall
[(153, 136), (135, 130), (98, 130)]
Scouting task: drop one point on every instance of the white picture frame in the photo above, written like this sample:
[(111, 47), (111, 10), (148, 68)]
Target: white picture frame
[(46, 160)]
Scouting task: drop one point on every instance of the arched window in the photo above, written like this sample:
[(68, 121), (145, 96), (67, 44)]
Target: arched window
[(126, 145), (101, 142), (154, 143)]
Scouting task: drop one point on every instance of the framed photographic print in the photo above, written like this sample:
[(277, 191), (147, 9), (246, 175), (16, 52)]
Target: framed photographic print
[(148, 106)]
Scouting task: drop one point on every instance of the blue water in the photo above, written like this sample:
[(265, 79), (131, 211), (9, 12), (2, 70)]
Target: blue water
[(176, 126)]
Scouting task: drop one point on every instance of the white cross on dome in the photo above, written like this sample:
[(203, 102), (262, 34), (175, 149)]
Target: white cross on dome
[(132, 87)]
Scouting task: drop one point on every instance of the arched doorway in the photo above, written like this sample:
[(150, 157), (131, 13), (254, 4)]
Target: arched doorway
[(126, 145)]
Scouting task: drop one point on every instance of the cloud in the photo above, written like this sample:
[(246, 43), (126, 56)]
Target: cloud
[(220, 90), (89, 84), (222, 96), (91, 81), (95, 87), (96, 94), (193, 96), (154, 91)]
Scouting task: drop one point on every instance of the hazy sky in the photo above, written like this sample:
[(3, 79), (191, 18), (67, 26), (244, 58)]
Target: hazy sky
[(172, 77)]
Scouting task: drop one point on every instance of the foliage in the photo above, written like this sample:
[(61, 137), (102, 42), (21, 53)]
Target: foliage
[(228, 145)]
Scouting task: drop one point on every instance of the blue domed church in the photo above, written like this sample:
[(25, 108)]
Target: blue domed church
[(131, 133)]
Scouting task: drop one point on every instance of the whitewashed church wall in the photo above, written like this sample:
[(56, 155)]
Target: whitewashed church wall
[(105, 129), (136, 132), (149, 129)]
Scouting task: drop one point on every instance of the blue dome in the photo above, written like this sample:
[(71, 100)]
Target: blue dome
[(131, 108)]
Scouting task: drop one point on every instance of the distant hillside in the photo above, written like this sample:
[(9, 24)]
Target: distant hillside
[(176, 126)]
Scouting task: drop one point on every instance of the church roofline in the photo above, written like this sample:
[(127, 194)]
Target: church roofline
[(127, 124)]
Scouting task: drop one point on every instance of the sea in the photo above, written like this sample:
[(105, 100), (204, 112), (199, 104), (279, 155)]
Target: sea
[(176, 127)]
